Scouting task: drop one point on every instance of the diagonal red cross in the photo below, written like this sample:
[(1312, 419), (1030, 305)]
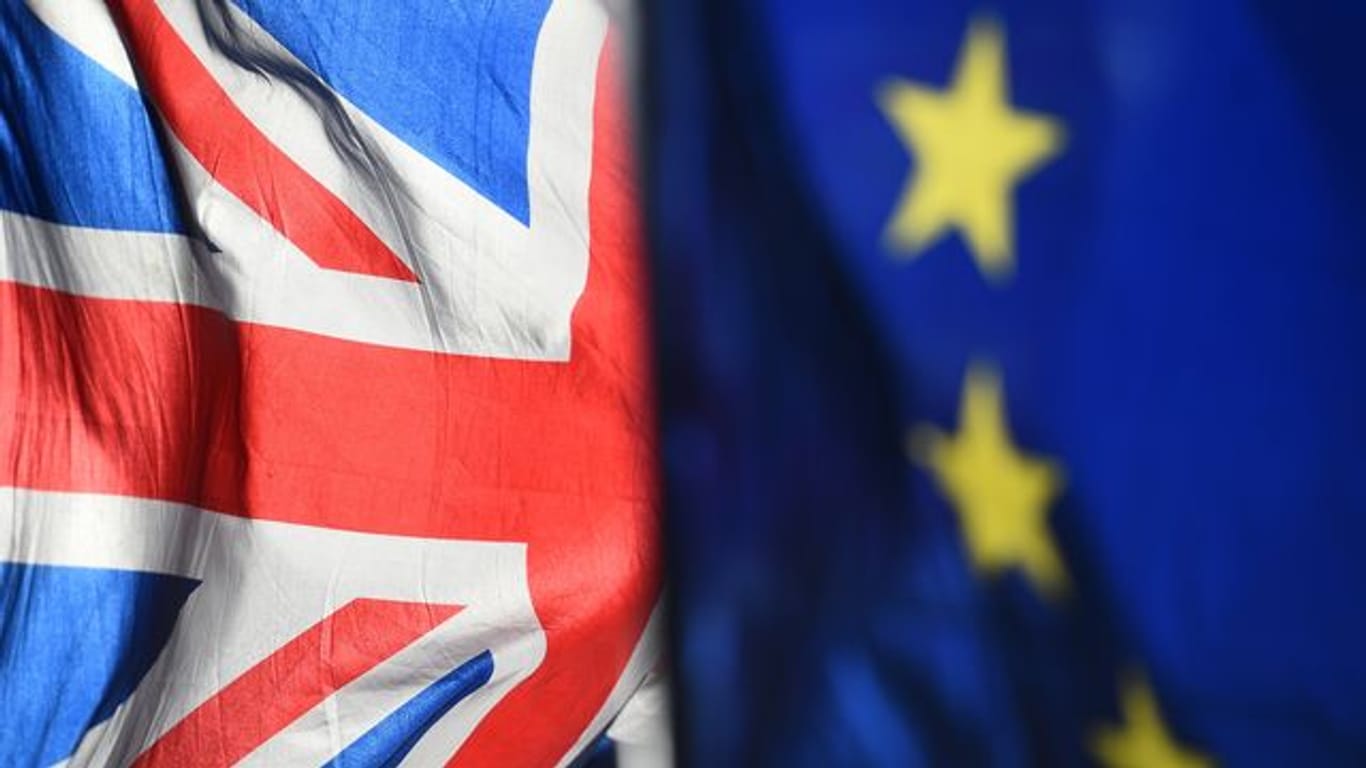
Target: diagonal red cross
[(179, 403), (205, 121)]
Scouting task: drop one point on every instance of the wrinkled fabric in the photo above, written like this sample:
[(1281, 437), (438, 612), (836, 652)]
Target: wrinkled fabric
[(325, 428)]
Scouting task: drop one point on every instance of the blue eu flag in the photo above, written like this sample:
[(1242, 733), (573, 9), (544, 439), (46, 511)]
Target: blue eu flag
[(1013, 379)]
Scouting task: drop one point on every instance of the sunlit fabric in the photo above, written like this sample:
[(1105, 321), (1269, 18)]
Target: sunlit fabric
[(325, 415)]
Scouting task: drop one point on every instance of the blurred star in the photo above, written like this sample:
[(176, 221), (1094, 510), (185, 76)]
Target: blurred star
[(1142, 740), (971, 149), (1001, 494)]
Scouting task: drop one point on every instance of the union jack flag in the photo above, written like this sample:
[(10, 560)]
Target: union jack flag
[(324, 398)]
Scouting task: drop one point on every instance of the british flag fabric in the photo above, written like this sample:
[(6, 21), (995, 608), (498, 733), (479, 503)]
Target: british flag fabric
[(325, 429)]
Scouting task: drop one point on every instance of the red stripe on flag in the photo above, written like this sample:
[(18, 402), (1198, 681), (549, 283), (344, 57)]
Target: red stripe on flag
[(596, 575), (291, 681), (229, 146), (177, 402)]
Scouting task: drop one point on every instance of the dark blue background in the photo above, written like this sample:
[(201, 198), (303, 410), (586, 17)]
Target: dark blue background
[(1185, 333)]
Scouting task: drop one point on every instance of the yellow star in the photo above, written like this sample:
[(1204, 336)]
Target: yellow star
[(971, 149), (1001, 494), (1143, 740)]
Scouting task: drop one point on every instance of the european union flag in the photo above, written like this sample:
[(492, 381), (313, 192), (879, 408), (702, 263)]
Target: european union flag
[(1013, 379)]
